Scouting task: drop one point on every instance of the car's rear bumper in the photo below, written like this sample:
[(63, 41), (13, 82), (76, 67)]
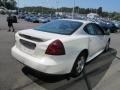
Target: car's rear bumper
[(45, 65)]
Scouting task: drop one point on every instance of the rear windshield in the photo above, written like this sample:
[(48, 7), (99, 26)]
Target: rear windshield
[(64, 27)]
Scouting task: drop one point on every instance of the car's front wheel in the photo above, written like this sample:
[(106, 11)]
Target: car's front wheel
[(79, 65)]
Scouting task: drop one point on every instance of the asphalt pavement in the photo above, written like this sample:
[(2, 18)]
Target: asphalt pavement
[(111, 80), (103, 72)]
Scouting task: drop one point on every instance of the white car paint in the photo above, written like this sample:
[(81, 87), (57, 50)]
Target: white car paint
[(74, 44)]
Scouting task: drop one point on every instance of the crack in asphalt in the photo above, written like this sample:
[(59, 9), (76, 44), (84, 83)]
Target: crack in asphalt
[(115, 56), (26, 85)]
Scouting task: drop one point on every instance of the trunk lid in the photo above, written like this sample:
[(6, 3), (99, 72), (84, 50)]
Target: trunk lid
[(33, 42)]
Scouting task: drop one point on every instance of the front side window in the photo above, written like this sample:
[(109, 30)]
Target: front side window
[(93, 29), (65, 27), (90, 29), (98, 30)]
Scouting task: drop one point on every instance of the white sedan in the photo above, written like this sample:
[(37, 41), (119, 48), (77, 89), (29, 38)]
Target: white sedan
[(61, 46)]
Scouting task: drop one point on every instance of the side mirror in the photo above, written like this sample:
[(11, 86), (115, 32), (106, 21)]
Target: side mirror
[(107, 32)]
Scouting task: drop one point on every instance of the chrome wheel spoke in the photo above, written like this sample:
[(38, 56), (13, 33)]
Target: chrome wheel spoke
[(80, 65)]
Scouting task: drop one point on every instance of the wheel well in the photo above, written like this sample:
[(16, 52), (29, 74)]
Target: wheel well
[(85, 51), (109, 40)]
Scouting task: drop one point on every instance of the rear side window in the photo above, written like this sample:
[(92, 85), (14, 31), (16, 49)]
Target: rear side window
[(65, 27)]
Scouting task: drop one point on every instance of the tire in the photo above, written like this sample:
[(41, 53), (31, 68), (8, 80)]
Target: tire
[(79, 65), (107, 46)]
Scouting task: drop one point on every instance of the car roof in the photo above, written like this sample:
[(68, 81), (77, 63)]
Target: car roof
[(83, 21)]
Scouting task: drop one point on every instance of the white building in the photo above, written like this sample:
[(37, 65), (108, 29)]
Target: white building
[(92, 15), (59, 13)]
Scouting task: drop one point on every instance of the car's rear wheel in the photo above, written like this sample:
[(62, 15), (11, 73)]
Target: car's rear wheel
[(78, 65)]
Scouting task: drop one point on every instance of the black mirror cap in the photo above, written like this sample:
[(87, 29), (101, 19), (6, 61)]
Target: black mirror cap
[(107, 32)]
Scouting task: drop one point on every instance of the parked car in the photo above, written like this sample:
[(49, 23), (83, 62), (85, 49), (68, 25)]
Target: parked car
[(21, 16), (43, 20), (60, 46), (35, 19), (111, 27), (117, 24), (108, 25), (28, 18)]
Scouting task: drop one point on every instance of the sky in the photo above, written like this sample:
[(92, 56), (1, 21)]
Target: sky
[(108, 5)]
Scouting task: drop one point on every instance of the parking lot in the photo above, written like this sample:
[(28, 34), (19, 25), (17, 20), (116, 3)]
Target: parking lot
[(103, 72)]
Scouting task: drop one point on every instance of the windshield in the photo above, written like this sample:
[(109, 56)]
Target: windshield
[(64, 27)]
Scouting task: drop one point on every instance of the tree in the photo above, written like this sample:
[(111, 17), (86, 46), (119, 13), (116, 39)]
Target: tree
[(9, 4), (0, 3), (12, 4), (99, 11)]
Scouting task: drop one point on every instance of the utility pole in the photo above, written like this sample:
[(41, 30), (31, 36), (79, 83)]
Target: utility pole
[(18, 7), (78, 7), (57, 7), (73, 11), (42, 7)]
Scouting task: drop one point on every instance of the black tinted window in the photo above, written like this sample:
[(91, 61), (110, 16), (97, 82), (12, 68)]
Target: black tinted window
[(98, 30), (90, 29), (93, 29)]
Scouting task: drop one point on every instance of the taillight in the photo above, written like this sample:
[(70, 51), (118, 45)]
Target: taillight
[(55, 48)]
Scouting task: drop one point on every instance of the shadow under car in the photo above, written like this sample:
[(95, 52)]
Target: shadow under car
[(95, 70)]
